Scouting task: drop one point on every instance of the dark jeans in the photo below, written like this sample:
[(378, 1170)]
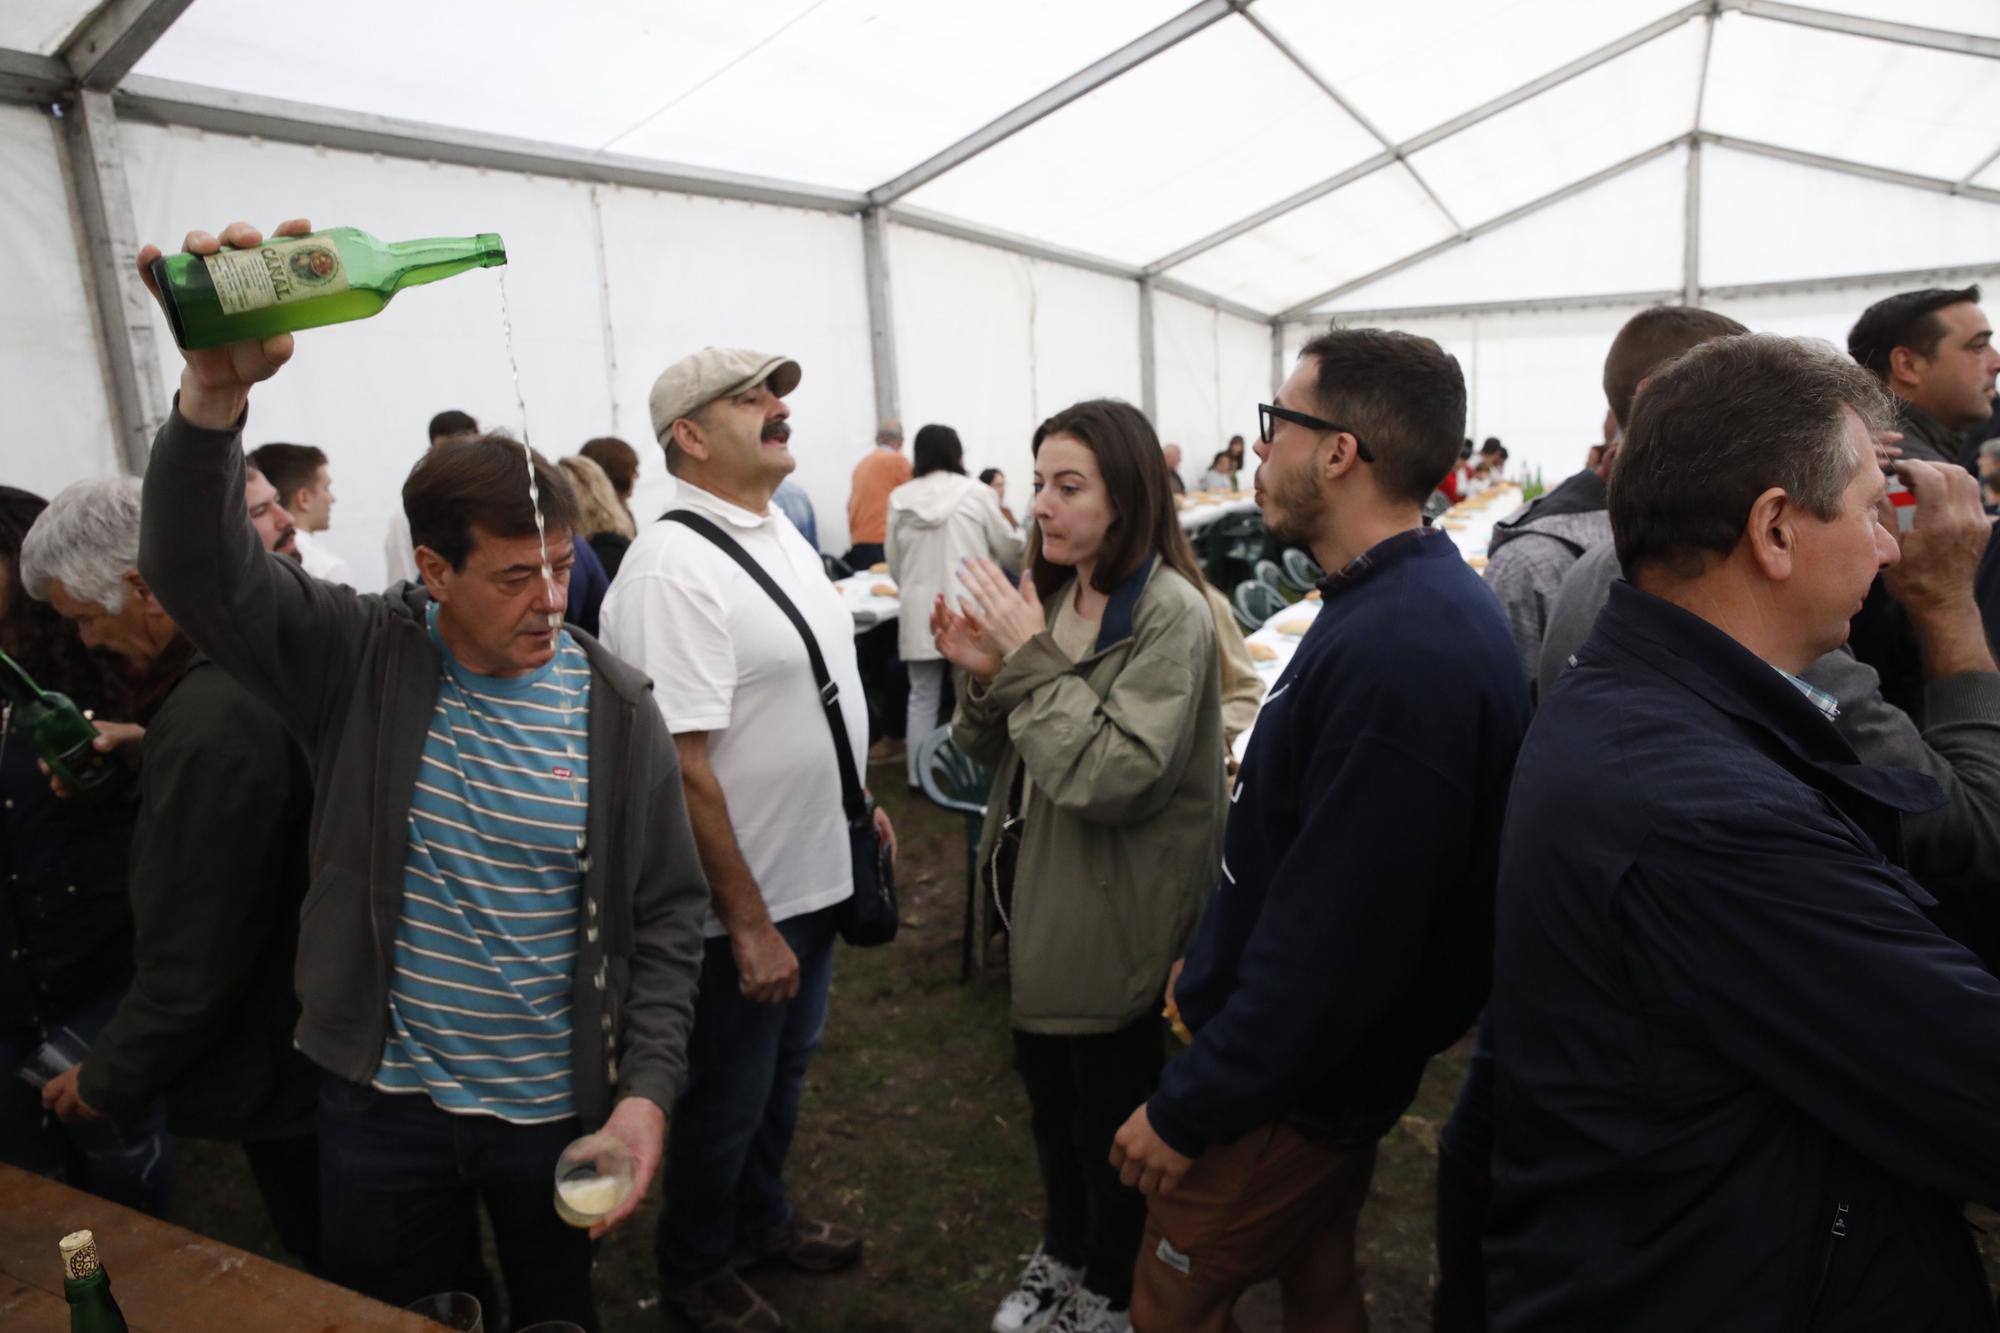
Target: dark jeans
[(731, 1128), (287, 1176), (400, 1185), (130, 1162), (884, 680), (1080, 1090), (1464, 1190), (863, 554)]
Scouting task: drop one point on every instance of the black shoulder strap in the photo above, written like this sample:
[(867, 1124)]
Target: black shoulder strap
[(851, 794)]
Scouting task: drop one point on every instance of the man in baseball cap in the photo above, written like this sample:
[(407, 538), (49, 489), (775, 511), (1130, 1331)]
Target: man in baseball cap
[(763, 791)]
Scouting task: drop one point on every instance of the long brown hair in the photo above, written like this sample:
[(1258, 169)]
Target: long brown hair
[(1144, 521)]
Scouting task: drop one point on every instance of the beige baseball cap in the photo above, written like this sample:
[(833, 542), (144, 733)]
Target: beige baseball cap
[(712, 373)]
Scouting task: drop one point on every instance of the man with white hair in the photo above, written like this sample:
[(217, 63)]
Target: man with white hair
[(207, 1023)]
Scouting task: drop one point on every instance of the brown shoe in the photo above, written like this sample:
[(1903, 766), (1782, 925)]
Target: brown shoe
[(810, 1247), (886, 751), (723, 1304)]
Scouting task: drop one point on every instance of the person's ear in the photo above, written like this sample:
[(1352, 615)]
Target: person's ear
[(436, 573), (1340, 453), (1772, 534), (690, 439)]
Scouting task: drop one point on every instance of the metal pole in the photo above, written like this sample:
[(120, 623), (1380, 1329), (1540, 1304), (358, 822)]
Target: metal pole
[(881, 316), (1149, 387), (1691, 228), (1277, 357), (110, 252), (604, 306)]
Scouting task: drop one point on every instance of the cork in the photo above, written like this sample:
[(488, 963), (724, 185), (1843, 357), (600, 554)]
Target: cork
[(79, 1255)]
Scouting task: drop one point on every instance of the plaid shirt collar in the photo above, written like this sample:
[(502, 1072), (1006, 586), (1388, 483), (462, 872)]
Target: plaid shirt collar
[(1392, 548), (1817, 697)]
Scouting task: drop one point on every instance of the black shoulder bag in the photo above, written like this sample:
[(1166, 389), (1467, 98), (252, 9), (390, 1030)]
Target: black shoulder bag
[(870, 917)]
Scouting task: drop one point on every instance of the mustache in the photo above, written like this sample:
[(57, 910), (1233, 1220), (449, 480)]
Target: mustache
[(779, 431)]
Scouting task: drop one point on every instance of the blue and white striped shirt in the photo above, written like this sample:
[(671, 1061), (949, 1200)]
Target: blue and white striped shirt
[(480, 990)]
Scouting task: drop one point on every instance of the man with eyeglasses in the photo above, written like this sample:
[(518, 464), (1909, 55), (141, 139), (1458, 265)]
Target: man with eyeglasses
[(1349, 936)]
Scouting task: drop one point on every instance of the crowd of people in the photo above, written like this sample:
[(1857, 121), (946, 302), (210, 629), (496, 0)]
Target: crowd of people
[(1690, 805)]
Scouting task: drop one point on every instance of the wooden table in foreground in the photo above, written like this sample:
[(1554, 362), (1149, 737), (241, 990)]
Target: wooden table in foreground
[(166, 1278)]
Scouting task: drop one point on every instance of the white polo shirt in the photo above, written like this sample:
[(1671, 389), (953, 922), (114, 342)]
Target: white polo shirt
[(725, 660), (320, 562)]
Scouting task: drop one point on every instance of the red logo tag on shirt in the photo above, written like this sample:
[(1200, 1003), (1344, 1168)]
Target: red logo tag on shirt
[(561, 772)]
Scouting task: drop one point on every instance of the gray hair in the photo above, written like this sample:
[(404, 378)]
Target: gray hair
[(89, 538), (1723, 423)]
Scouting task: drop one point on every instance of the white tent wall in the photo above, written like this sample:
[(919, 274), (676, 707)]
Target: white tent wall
[(365, 392), (991, 343), (680, 273), (1212, 369), (1535, 378), (686, 273), (58, 422)]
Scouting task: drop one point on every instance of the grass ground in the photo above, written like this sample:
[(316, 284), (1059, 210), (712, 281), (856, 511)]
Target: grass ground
[(915, 1129)]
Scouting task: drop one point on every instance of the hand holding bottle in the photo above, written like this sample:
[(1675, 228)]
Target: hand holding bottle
[(215, 384)]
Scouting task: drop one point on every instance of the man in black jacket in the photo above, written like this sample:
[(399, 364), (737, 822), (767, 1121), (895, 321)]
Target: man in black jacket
[(218, 871), (1744, 1081)]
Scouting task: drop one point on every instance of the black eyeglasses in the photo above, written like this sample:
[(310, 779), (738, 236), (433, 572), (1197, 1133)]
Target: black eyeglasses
[(1266, 411)]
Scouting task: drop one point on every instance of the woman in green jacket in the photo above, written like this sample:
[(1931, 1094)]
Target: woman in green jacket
[(1091, 692)]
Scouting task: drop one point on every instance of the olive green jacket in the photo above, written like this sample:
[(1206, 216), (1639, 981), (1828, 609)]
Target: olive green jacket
[(1122, 830)]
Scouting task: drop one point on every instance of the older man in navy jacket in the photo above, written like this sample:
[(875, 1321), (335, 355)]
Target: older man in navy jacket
[(1745, 1082)]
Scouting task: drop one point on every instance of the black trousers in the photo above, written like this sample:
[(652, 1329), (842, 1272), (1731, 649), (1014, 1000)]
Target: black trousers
[(1080, 1090), (287, 1176)]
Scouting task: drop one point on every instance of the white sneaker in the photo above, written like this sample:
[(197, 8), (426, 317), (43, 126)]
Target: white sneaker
[(1044, 1287), (1088, 1312)]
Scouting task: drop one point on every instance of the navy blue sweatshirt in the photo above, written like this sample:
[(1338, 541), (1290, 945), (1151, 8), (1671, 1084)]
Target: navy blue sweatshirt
[(1350, 937)]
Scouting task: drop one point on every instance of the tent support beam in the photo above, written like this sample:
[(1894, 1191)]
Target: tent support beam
[(109, 244), (169, 103), (1908, 278), (1353, 112), (166, 102), (1936, 39), (1581, 65), (1277, 357), (1149, 382), (881, 316), (1691, 228), (1533, 206), (1973, 174), (103, 50), (35, 80), (1092, 77), (1887, 175)]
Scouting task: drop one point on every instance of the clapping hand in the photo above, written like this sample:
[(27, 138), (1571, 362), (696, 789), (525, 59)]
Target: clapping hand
[(963, 642), (215, 384), (1010, 616)]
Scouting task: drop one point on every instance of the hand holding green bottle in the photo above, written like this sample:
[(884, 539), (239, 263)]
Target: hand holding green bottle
[(234, 301), (215, 383)]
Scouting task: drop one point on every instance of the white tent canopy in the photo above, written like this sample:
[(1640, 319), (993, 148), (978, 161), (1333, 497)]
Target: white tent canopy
[(976, 213)]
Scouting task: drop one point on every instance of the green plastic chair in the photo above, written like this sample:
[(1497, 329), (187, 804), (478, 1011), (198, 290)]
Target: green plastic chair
[(1301, 569), (953, 781), (1255, 603)]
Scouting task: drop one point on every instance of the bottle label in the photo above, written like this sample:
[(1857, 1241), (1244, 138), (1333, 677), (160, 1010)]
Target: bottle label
[(276, 273)]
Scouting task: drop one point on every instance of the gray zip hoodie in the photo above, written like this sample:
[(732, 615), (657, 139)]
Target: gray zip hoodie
[(355, 678)]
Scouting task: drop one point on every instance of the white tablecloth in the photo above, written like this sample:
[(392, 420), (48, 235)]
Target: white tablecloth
[(1201, 513), (1280, 634), (868, 606)]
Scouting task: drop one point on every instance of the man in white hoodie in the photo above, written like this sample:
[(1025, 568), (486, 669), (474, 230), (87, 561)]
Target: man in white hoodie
[(938, 519)]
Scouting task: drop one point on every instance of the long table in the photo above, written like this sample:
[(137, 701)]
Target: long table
[(166, 1279), (1200, 511), (1280, 634), (865, 603)]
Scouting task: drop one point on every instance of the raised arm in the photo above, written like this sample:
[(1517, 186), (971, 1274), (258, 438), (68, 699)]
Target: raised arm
[(292, 640)]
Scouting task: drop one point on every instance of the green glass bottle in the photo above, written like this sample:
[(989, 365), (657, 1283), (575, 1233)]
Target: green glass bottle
[(88, 1287), (60, 733), (301, 282)]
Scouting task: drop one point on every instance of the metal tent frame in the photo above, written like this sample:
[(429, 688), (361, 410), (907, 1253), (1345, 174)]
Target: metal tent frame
[(89, 83)]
